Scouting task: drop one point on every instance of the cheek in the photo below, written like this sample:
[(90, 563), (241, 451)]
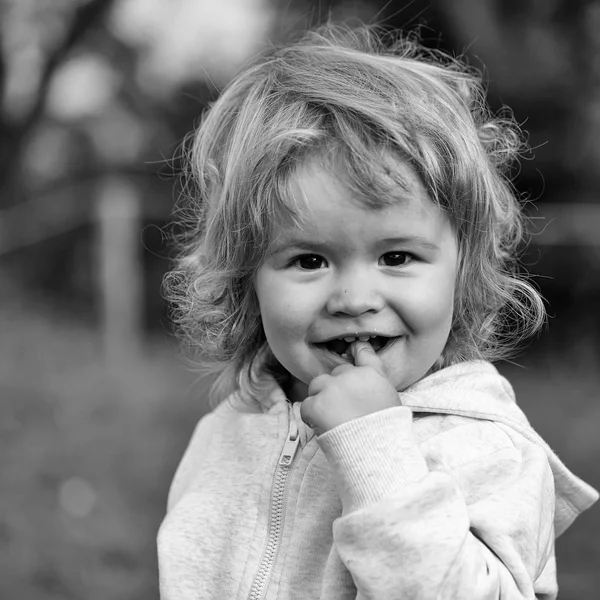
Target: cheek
[(281, 317), (446, 301), (432, 306), (436, 318), (444, 287)]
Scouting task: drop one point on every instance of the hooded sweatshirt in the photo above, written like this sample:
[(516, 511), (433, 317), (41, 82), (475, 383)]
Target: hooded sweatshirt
[(451, 494)]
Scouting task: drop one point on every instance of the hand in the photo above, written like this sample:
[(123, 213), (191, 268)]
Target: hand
[(349, 391)]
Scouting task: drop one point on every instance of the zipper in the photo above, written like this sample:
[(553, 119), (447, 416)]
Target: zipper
[(276, 512)]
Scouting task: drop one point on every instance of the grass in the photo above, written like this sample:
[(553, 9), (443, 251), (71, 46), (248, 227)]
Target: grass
[(87, 450), (86, 454)]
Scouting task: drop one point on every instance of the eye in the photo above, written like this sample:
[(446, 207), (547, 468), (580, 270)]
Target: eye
[(309, 262), (397, 259)]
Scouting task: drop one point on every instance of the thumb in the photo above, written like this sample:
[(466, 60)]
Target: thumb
[(365, 356)]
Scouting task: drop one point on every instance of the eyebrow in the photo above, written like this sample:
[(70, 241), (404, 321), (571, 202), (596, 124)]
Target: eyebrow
[(316, 246), (410, 239), (299, 243)]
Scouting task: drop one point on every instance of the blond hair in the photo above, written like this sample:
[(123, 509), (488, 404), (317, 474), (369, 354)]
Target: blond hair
[(370, 100)]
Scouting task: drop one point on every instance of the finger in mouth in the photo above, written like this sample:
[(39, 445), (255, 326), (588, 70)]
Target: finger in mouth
[(342, 348)]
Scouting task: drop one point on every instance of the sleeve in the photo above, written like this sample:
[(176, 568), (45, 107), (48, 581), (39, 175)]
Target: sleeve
[(480, 530), (190, 460)]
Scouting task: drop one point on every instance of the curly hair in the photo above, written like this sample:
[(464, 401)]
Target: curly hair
[(371, 100)]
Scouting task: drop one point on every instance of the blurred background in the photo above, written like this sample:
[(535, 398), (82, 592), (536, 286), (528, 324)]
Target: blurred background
[(96, 401)]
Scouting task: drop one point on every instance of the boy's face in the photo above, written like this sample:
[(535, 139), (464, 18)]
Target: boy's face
[(351, 271)]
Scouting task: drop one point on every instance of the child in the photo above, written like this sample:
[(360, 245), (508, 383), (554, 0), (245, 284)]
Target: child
[(351, 271)]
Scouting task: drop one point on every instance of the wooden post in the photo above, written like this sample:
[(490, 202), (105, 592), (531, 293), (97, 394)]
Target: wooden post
[(120, 277)]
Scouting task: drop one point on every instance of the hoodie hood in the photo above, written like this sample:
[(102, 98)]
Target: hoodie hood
[(490, 397)]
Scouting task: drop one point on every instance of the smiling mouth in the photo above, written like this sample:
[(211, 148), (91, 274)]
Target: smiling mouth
[(341, 346)]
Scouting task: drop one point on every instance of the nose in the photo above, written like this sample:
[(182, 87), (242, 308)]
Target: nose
[(355, 293)]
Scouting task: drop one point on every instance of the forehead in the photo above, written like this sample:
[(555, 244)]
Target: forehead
[(328, 209)]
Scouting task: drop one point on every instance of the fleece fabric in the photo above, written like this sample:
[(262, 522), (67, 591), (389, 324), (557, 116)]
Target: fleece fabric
[(451, 495)]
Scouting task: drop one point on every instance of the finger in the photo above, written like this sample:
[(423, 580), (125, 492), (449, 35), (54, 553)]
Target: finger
[(341, 369), (365, 356), (305, 410), (308, 414), (317, 384)]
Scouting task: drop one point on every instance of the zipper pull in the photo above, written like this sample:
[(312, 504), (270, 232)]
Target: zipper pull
[(291, 444)]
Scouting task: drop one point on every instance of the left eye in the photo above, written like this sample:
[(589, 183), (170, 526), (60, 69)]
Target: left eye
[(309, 262), (396, 259)]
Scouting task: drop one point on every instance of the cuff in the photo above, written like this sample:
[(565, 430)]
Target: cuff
[(373, 457)]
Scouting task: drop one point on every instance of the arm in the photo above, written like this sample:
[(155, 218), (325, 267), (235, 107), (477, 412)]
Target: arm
[(481, 530)]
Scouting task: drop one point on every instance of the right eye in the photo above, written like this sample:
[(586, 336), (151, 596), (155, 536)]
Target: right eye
[(309, 262)]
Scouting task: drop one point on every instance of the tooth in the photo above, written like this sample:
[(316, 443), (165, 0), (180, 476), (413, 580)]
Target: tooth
[(363, 338), (349, 339)]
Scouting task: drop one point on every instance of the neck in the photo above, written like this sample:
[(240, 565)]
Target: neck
[(296, 390)]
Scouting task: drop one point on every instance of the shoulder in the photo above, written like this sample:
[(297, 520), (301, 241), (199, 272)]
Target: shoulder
[(450, 441), (466, 412), (205, 433)]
